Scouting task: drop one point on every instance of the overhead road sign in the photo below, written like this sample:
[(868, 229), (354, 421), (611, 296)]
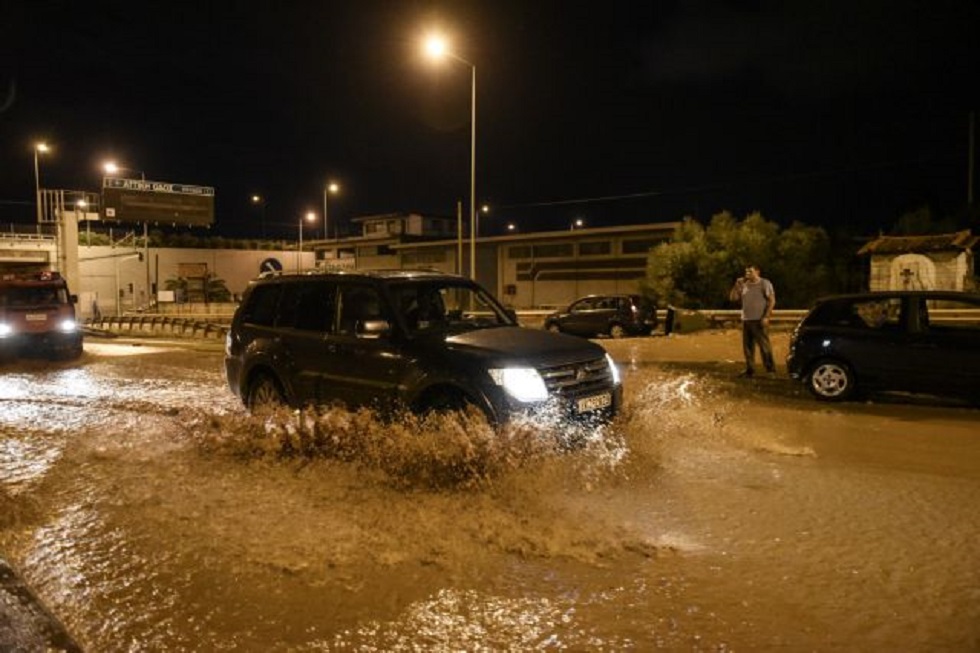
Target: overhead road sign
[(138, 200)]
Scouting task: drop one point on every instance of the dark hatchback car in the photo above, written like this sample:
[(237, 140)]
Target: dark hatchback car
[(911, 341), (612, 315), (419, 340)]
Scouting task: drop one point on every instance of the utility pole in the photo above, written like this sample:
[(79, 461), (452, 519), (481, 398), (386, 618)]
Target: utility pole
[(969, 176)]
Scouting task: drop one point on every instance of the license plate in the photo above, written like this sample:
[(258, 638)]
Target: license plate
[(36, 317), (587, 404)]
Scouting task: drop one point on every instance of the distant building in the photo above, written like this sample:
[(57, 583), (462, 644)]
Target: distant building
[(524, 270), (936, 262), (373, 249)]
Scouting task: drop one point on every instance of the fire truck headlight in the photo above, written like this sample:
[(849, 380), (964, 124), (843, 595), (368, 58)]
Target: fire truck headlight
[(68, 326), (5, 330)]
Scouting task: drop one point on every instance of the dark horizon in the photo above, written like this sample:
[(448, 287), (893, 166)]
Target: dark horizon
[(835, 116)]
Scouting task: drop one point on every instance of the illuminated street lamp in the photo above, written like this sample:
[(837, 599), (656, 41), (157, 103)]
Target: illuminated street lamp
[(39, 148), (113, 168), (309, 217), (437, 48), (485, 210), (578, 223), (331, 187), (259, 201)]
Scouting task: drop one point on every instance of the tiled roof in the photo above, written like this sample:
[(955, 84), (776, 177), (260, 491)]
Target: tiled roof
[(961, 240)]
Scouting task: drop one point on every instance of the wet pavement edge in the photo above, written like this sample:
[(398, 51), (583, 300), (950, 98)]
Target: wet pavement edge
[(26, 625)]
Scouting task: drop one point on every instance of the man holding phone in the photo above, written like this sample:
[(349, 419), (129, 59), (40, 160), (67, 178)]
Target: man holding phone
[(758, 298)]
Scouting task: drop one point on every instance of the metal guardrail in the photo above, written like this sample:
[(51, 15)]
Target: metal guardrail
[(159, 323), (195, 326)]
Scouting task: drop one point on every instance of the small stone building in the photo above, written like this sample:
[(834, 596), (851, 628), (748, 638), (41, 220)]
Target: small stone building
[(936, 262)]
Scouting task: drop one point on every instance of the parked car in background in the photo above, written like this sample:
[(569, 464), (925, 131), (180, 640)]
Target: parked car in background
[(408, 339), (913, 341), (612, 315)]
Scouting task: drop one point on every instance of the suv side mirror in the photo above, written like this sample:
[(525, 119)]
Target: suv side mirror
[(373, 329)]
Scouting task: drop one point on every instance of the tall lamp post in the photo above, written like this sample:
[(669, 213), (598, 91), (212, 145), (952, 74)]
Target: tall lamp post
[(436, 48), (112, 168), (311, 217), (334, 188), (259, 201), (39, 148)]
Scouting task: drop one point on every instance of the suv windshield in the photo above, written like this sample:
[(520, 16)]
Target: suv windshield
[(446, 305)]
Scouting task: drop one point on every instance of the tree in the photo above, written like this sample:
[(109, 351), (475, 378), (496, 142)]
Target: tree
[(697, 267)]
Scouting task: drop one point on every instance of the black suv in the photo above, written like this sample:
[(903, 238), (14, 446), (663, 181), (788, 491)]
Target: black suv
[(611, 315), (913, 341), (420, 340)]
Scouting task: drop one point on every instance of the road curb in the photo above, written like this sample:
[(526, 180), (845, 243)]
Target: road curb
[(25, 624)]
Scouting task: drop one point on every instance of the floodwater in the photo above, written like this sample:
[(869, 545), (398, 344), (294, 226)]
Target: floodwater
[(150, 513)]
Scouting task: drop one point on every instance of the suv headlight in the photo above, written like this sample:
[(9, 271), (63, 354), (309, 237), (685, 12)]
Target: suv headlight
[(5, 330), (613, 369), (522, 383)]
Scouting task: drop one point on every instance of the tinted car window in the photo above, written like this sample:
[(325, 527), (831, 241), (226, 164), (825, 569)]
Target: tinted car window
[(877, 314), (953, 315), (582, 305), (445, 306), (261, 307), (862, 314), (358, 304), (308, 306)]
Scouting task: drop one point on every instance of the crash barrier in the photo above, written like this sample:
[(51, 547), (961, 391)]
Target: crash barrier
[(183, 326), (673, 320), (679, 320)]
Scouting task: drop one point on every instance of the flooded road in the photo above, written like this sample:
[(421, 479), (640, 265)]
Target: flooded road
[(150, 513)]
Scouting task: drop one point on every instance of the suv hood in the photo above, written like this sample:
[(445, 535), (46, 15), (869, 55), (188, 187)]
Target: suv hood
[(524, 345)]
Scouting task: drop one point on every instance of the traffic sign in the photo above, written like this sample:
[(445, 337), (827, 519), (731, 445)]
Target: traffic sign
[(140, 200)]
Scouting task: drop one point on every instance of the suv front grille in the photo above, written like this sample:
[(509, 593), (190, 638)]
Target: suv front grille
[(577, 379)]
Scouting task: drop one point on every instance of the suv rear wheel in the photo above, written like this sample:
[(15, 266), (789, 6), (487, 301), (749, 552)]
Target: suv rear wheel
[(264, 393)]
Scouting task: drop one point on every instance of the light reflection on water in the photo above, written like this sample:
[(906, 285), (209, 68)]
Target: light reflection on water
[(172, 521)]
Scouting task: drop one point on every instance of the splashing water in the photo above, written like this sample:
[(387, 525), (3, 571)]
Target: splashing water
[(437, 450)]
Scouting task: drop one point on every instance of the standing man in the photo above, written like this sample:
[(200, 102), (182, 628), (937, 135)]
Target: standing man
[(758, 298)]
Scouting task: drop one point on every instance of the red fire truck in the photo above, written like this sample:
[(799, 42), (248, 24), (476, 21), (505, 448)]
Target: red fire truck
[(37, 316)]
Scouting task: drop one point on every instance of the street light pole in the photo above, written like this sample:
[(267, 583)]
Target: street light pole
[(436, 48), (331, 187), (299, 253), (474, 217), (259, 201), (111, 168), (38, 147)]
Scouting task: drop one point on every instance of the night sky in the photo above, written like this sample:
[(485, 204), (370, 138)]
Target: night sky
[(831, 113)]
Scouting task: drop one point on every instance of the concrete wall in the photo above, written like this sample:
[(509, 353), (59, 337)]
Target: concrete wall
[(117, 280)]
